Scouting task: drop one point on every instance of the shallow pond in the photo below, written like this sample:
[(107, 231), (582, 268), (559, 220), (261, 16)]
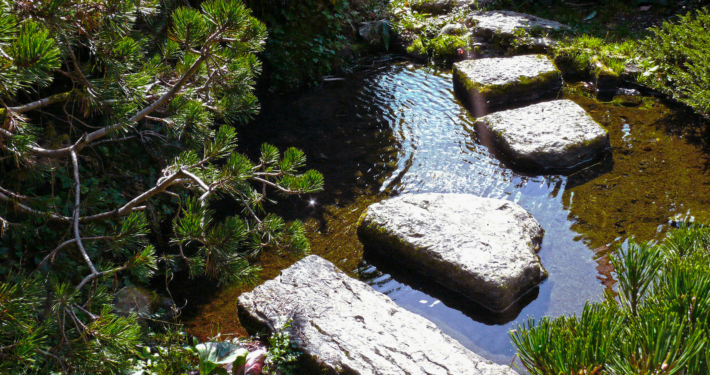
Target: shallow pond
[(399, 129)]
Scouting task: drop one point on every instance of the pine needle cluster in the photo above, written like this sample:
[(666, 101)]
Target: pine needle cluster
[(659, 323), (117, 129)]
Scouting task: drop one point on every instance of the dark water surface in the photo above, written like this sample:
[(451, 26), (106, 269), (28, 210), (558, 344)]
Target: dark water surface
[(399, 129)]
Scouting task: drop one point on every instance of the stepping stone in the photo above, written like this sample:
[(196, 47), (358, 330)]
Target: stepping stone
[(552, 135), (503, 23), (486, 84), (342, 325), (433, 6), (480, 247)]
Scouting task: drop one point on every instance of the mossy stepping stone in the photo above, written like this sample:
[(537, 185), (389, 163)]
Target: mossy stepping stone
[(482, 248), (556, 135), (485, 85), (503, 23)]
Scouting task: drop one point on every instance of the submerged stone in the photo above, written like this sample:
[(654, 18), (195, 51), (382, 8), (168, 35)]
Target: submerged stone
[(485, 84), (551, 135), (504, 23), (480, 247), (342, 325)]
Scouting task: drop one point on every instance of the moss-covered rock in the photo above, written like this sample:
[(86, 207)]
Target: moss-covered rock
[(554, 136), (486, 84)]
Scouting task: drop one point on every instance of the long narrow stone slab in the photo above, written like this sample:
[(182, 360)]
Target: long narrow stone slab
[(504, 23), (344, 326), (486, 84), (551, 135), (483, 248)]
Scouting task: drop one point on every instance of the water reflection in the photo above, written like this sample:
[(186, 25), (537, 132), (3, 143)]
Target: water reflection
[(399, 129)]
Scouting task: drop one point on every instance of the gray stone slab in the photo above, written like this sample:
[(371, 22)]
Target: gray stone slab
[(486, 84), (504, 23), (482, 248), (345, 326), (551, 135)]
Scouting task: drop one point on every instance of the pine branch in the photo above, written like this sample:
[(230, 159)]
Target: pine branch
[(77, 207), (280, 188), (40, 103)]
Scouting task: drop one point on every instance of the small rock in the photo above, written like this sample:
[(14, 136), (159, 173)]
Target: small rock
[(453, 29), (483, 248), (372, 31), (485, 84), (547, 136)]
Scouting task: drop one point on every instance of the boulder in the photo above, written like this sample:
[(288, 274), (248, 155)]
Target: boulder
[(547, 136), (480, 247), (503, 23), (485, 84), (342, 325), (433, 6)]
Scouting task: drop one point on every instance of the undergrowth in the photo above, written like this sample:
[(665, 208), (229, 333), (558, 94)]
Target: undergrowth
[(677, 60), (657, 324)]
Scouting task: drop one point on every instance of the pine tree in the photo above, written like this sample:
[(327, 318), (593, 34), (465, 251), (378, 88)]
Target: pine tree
[(110, 113)]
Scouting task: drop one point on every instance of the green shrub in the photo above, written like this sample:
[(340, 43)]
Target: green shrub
[(657, 325), (677, 60)]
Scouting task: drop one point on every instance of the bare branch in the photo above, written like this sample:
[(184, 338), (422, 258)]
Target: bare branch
[(41, 103), (267, 182), (199, 181), (77, 207), (26, 209), (65, 244)]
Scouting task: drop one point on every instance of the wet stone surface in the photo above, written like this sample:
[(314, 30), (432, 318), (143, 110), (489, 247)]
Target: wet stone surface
[(487, 84), (552, 136), (344, 326), (483, 248), (504, 23)]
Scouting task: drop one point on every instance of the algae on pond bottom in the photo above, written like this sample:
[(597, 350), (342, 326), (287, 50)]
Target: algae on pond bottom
[(659, 171)]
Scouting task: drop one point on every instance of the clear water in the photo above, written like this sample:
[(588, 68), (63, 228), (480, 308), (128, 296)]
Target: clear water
[(438, 153), (399, 129)]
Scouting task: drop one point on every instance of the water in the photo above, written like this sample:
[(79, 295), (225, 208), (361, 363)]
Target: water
[(438, 153), (399, 129)]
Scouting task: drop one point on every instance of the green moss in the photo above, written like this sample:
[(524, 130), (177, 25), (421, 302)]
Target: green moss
[(417, 47), (445, 46), (523, 83)]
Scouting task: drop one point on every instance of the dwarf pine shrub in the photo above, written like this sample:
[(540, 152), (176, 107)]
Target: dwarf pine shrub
[(677, 60), (657, 324)]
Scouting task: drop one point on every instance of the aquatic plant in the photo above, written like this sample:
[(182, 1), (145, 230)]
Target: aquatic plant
[(658, 323)]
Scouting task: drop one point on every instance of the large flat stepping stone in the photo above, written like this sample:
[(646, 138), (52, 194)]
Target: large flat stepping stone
[(342, 325), (486, 84), (483, 248), (551, 135), (504, 23)]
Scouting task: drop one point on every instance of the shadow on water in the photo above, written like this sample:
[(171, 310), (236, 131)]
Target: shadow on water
[(399, 129)]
